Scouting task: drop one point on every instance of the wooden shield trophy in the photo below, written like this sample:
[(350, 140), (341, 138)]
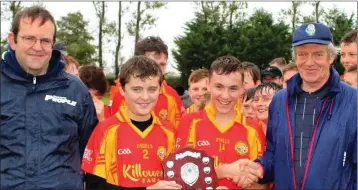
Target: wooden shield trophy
[(192, 169)]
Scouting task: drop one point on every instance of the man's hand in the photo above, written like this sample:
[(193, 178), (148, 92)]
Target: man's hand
[(165, 185), (250, 173)]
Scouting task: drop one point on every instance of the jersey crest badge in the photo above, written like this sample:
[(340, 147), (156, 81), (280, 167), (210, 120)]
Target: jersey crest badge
[(163, 113), (241, 148), (161, 153)]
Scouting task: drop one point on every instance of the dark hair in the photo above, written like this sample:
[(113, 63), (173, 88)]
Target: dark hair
[(249, 94), (266, 86), (352, 68), (350, 37), (226, 65), (280, 61), (150, 44), (94, 78), (197, 75), (253, 70), (33, 13), (180, 90), (141, 67)]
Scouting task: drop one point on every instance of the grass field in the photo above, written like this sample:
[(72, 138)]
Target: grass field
[(105, 99)]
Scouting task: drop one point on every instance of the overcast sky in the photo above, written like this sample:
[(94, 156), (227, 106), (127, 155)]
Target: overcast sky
[(169, 25)]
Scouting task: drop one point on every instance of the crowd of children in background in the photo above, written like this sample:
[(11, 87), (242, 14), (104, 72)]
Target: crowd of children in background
[(257, 90), (255, 94)]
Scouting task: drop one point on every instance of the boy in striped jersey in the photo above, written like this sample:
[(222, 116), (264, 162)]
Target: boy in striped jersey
[(127, 149), (169, 105), (220, 129)]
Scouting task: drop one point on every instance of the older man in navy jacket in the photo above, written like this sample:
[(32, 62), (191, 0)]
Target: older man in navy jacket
[(312, 127)]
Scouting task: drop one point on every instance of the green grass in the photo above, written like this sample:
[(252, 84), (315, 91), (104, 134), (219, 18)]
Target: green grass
[(105, 99)]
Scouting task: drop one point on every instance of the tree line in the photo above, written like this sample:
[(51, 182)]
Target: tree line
[(221, 28), (73, 29)]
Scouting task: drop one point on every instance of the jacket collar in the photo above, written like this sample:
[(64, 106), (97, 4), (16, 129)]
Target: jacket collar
[(333, 83), (11, 63)]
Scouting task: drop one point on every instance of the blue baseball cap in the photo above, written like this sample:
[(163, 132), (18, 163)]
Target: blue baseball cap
[(315, 33)]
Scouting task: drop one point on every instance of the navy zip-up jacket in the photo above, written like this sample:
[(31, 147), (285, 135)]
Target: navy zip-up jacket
[(45, 124), (332, 154)]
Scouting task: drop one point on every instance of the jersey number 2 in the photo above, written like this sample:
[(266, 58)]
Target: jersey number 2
[(145, 154)]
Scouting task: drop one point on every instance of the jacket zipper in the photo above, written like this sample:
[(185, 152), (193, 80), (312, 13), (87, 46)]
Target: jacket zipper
[(310, 149), (310, 146), (34, 80)]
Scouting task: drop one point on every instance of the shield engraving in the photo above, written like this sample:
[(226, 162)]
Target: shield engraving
[(189, 173), (191, 168)]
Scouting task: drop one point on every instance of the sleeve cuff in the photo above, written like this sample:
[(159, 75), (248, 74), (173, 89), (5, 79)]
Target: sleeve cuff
[(261, 181)]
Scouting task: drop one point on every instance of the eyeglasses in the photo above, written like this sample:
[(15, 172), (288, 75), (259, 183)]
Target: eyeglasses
[(30, 40)]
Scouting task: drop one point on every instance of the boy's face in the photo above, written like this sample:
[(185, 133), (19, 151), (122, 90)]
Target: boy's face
[(160, 58), (348, 54), (261, 103), (287, 76), (225, 91), (141, 96), (197, 91), (248, 83), (247, 109)]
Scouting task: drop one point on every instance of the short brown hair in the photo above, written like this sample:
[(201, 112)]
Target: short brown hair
[(197, 75), (289, 67), (33, 13), (253, 70), (149, 44), (139, 66), (226, 65), (352, 68), (94, 78), (280, 61), (70, 60), (350, 37)]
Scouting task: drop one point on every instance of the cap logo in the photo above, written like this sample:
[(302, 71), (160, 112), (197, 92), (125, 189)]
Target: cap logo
[(310, 30)]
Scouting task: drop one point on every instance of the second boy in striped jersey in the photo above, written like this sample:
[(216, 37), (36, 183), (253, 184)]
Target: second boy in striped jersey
[(220, 130)]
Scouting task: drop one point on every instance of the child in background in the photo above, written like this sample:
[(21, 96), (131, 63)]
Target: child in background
[(71, 65), (95, 80), (262, 99), (198, 87), (246, 108), (288, 72), (252, 78)]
